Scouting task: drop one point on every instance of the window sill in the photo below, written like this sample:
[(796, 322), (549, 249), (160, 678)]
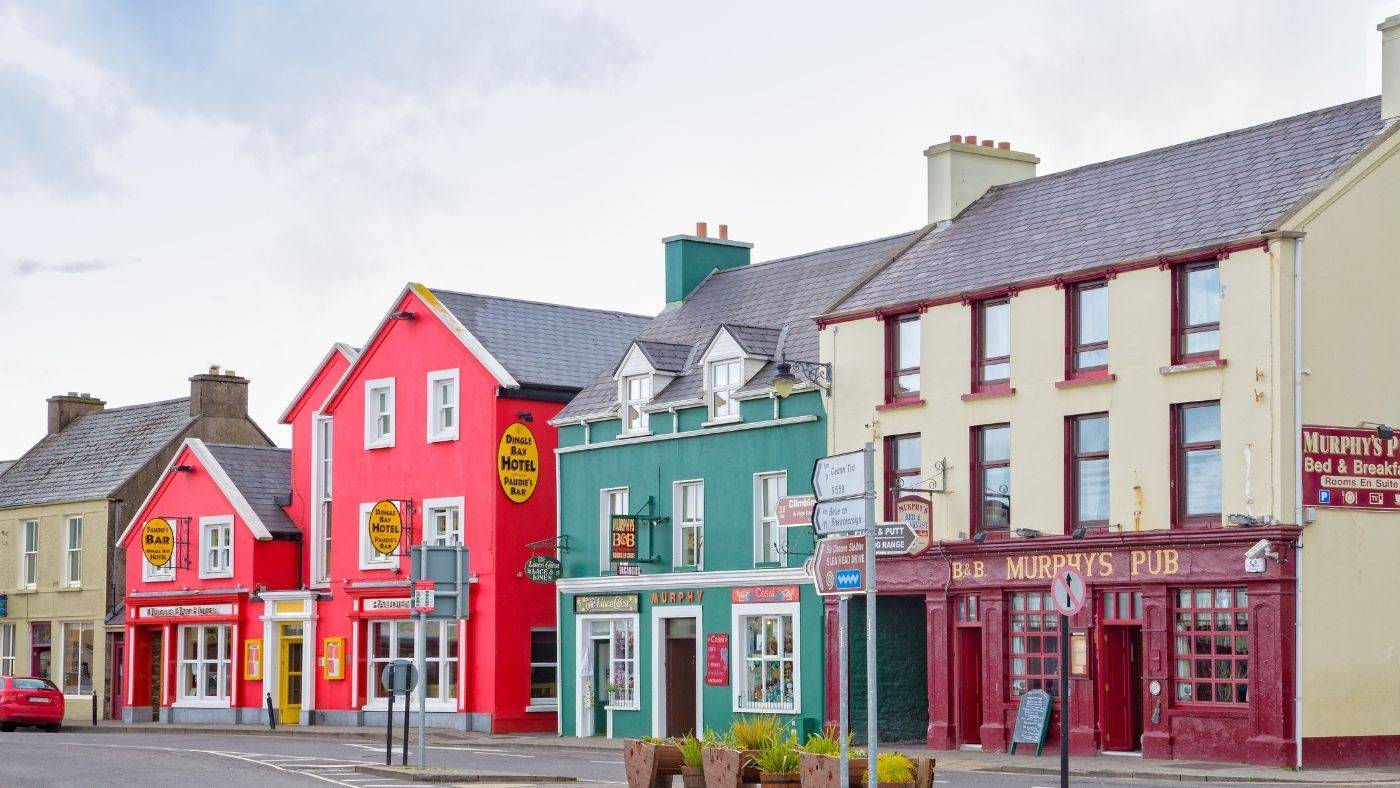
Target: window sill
[(679, 569), (901, 403), (376, 567), (222, 703), (547, 709), (751, 710), (218, 576), (370, 445), (1191, 366), (30, 590), (721, 421), (633, 434), (69, 588), (1086, 380), (444, 438), (991, 393), (768, 565)]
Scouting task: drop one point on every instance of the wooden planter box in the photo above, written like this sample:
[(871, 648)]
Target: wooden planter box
[(785, 780), (729, 768), (693, 777), (648, 764), (824, 771)]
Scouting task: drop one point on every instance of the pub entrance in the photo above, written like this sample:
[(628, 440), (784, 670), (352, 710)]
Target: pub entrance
[(967, 656), (1120, 671)]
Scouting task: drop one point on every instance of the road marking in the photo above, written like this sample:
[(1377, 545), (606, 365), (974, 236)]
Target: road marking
[(612, 762)]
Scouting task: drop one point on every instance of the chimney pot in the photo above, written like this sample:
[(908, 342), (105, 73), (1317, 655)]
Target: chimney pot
[(1003, 146), (702, 230), (988, 144), (724, 232), (955, 138), (970, 139), (213, 369)]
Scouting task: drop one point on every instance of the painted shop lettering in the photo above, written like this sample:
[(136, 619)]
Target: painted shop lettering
[(1356, 445), (1093, 564)]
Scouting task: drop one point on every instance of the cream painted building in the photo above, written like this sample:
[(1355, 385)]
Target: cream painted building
[(1105, 368)]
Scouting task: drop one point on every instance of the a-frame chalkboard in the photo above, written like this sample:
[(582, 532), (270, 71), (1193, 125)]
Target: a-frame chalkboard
[(1032, 720)]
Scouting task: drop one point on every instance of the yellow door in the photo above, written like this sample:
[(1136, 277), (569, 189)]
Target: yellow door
[(289, 704)]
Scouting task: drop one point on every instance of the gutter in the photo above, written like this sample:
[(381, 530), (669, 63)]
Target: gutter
[(1298, 512)]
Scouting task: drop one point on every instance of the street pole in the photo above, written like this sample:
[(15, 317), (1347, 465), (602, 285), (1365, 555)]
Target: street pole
[(843, 631), (389, 731), (871, 682), (420, 648), (1064, 701)]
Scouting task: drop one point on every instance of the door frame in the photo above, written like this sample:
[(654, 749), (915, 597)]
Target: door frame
[(959, 704), (1134, 634), (284, 667), (659, 615), (583, 639), (272, 620)]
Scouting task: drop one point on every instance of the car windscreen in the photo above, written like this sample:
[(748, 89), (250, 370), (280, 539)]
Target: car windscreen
[(33, 684)]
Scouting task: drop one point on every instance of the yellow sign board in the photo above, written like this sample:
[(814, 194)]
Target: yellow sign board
[(158, 541), (385, 527), (519, 463)]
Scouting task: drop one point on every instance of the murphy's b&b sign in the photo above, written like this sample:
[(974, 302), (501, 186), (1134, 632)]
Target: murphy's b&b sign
[(1350, 468)]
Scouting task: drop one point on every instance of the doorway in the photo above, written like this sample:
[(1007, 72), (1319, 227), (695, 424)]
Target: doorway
[(1120, 688), (969, 678), (289, 687), (116, 677), (681, 677), (601, 649), (157, 687)]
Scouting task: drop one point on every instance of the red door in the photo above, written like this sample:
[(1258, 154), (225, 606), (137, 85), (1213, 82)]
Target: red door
[(116, 684), (1120, 689), (969, 685)]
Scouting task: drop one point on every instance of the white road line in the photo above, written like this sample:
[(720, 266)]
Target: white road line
[(619, 763)]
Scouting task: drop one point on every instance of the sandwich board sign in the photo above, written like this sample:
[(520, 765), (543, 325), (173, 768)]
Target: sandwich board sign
[(1032, 720)]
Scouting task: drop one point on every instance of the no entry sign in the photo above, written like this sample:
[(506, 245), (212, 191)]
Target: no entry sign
[(1068, 591)]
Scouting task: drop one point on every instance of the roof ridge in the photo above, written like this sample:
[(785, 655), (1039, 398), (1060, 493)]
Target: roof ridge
[(792, 257), (538, 303)]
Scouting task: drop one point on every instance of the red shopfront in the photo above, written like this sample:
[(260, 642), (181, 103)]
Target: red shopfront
[(1179, 653), (184, 654)]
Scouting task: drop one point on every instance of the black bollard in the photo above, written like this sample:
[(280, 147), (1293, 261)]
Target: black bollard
[(271, 718)]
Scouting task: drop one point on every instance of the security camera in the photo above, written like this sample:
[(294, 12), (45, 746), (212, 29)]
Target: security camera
[(1261, 549)]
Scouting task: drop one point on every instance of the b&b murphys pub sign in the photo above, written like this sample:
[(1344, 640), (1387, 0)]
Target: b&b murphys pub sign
[(1350, 468)]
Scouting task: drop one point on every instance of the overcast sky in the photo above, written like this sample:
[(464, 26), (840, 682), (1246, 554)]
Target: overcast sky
[(186, 184)]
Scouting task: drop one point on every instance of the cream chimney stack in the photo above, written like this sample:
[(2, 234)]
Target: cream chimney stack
[(961, 170), (1390, 67)]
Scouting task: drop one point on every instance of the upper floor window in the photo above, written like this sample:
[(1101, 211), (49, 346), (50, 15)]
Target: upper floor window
[(690, 524), (613, 503), (768, 535), (902, 469), (216, 547), (1088, 328), (1196, 465), (725, 379), (442, 521), (371, 558), (991, 343), (379, 413), (902, 357), (29, 555), (991, 473), (1196, 316), (1087, 470), (636, 392), (73, 552), (323, 441), (442, 406)]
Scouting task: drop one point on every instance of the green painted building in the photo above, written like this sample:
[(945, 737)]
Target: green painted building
[(683, 599)]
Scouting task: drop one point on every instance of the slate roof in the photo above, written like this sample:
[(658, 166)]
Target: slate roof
[(665, 356), (94, 455), (5, 464), (1212, 190), (544, 344), (763, 297), (263, 474), (755, 340)]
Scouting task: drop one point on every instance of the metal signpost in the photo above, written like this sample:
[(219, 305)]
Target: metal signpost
[(441, 581), (1067, 591), (399, 677)]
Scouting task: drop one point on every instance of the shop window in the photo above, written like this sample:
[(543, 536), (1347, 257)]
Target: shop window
[(769, 677), (544, 668), (324, 438), (1211, 634), (379, 413), (1087, 353), (443, 521), (204, 663), (1087, 471), (1035, 645), (620, 668), (991, 472), (442, 405), (902, 468), (29, 557), (1121, 607), (7, 649), (1196, 312), (614, 502), (73, 552), (991, 344), (768, 488), (216, 547), (725, 378), (690, 525), (636, 391), (902, 348), (1196, 466), (391, 640)]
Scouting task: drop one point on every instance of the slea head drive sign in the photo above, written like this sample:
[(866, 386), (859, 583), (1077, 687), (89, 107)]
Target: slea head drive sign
[(518, 463), (157, 541)]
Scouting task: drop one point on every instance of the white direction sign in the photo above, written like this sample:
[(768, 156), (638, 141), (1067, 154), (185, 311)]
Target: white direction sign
[(1068, 591), (839, 517), (839, 476)]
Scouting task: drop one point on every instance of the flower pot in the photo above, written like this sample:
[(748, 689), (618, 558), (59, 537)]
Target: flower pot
[(824, 771), (648, 763), (726, 768), (779, 779), (896, 785), (693, 776)]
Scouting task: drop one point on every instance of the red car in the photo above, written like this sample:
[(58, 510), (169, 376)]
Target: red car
[(28, 700)]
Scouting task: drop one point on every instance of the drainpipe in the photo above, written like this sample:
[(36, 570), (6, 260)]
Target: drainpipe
[(1298, 512)]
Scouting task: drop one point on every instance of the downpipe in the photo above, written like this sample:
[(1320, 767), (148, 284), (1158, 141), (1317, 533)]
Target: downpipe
[(1298, 510)]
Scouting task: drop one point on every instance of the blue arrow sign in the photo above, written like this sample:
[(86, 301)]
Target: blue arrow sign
[(848, 580)]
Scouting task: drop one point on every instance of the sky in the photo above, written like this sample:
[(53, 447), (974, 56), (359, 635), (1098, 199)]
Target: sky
[(245, 183)]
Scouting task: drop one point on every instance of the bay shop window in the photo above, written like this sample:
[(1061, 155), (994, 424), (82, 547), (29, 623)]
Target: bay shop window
[(610, 660), (768, 673), (203, 677), (1210, 634), (393, 639), (1034, 662)]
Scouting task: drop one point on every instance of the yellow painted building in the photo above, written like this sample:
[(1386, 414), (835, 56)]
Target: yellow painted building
[(1105, 368)]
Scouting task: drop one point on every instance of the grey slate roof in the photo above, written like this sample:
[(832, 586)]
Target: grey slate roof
[(763, 297), (755, 340), (263, 474), (665, 356), (94, 455), (544, 344), (5, 464), (1194, 194)]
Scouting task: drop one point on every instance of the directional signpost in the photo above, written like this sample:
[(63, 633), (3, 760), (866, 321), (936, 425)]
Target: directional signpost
[(895, 539), (1068, 592), (839, 566), (839, 517)]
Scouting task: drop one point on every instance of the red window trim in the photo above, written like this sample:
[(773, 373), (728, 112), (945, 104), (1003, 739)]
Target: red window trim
[(892, 372), (1073, 347), (1212, 657), (1072, 458), (979, 385), (1179, 327), (894, 478), (1049, 635), (1178, 469), (979, 489)]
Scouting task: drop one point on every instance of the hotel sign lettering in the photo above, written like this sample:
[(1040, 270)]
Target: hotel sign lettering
[(1093, 564), (1350, 468), (186, 611)]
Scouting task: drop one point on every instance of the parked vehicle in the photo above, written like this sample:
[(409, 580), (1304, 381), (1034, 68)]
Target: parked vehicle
[(30, 700)]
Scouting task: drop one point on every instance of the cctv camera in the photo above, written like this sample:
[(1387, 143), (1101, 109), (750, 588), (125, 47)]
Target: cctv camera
[(1261, 549)]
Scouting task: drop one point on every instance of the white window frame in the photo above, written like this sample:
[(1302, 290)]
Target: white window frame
[(605, 512), (369, 557), (545, 704), (159, 574), (59, 667), (7, 649), (682, 525), (73, 551), (431, 507), (201, 664), (617, 622), (447, 691), (322, 485), (374, 439), (732, 405), (740, 655), (436, 405), (761, 520), (29, 554), (643, 426), (222, 524)]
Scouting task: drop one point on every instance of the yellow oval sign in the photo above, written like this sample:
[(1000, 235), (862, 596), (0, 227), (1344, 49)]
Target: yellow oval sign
[(385, 528), (158, 541), (518, 463)]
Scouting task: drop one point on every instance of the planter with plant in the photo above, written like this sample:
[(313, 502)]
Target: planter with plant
[(777, 763), (729, 763), (892, 770), (649, 761), (693, 759), (819, 760)]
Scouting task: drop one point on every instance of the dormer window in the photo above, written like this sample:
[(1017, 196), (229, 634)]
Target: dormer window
[(725, 378), (636, 392)]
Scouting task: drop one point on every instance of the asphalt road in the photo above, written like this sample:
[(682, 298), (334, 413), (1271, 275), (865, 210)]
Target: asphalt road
[(144, 760)]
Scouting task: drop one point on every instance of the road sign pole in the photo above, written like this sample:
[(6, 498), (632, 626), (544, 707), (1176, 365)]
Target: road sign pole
[(843, 633), (1064, 701), (871, 681), (389, 732), (420, 649)]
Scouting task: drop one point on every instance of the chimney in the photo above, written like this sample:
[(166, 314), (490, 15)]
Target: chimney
[(961, 170), (220, 395), (1390, 68), (64, 409), (691, 258)]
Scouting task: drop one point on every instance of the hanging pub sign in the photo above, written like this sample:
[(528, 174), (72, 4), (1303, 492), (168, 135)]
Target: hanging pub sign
[(518, 462), (624, 538), (543, 569), (1350, 468), (916, 512), (717, 659), (157, 541), (384, 527)]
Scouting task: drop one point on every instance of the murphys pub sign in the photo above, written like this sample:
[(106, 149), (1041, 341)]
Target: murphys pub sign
[(1350, 468)]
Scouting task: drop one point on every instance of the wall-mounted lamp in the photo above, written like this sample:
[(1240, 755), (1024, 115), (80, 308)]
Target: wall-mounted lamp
[(1079, 532), (182, 468), (403, 315), (979, 537), (526, 417), (786, 375)]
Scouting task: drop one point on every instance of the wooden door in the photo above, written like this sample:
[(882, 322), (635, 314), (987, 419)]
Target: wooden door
[(680, 685), (156, 687), (601, 665), (969, 676), (289, 710), (116, 683), (1120, 689)]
